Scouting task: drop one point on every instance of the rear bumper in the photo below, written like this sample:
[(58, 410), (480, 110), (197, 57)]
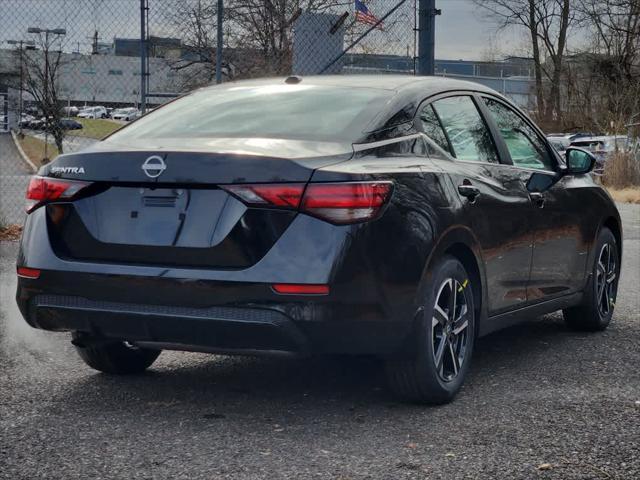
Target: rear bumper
[(223, 329), (370, 308), (185, 315)]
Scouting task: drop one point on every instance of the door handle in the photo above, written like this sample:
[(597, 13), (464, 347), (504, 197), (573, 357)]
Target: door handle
[(469, 191), (537, 198)]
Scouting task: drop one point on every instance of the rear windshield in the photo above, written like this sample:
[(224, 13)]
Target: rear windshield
[(310, 112)]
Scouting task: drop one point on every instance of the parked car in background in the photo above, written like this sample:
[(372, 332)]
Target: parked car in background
[(560, 143), (93, 112), (126, 114), (71, 111), (37, 123), (25, 120), (603, 147), (70, 124)]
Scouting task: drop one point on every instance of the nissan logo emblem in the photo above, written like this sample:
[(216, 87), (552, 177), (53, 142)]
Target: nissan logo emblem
[(154, 166)]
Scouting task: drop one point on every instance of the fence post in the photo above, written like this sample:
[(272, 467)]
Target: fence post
[(426, 36), (143, 55), (219, 43)]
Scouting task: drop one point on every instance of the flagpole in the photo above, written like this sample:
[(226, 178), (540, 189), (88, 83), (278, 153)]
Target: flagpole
[(354, 43)]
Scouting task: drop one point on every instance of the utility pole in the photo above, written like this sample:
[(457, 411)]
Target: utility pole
[(144, 7), (427, 12), (219, 43)]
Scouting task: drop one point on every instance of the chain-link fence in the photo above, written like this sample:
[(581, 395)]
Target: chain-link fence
[(73, 71)]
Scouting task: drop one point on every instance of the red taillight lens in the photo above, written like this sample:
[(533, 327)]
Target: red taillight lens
[(340, 203), (300, 289), (26, 272), (272, 195), (346, 202), (43, 189)]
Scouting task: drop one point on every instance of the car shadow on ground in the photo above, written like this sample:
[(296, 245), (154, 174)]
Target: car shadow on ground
[(242, 384)]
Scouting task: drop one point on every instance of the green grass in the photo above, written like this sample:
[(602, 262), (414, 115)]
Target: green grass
[(34, 149), (94, 128)]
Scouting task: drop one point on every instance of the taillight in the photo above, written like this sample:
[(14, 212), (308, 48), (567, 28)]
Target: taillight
[(344, 203), (44, 189), (269, 195), (340, 203)]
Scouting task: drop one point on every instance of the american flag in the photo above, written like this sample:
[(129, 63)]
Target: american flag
[(365, 16)]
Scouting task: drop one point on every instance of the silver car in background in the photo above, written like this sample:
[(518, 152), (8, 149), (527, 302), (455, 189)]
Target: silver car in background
[(603, 147)]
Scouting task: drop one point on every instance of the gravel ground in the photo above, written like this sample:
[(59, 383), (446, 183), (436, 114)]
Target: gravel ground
[(541, 402)]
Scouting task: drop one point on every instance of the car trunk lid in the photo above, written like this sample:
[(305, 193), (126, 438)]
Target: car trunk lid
[(164, 206)]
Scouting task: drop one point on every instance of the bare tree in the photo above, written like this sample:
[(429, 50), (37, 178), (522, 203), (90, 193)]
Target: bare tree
[(40, 76), (603, 80), (258, 35), (547, 23)]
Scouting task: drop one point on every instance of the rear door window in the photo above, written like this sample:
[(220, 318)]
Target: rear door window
[(433, 128), (469, 138)]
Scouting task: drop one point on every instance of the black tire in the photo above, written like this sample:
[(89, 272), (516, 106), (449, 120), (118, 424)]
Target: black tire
[(421, 379), (595, 312), (116, 357)]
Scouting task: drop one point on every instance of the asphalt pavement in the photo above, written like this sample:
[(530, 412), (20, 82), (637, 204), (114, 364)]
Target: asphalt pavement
[(541, 402)]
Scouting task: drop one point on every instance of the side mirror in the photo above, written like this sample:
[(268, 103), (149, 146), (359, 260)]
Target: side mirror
[(579, 161)]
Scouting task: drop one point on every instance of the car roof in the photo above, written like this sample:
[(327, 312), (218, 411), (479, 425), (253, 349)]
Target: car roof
[(599, 138), (429, 85), (408, 90)]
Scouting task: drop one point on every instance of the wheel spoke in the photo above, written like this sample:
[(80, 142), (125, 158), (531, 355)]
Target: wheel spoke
[(606, 300), (439, 354), (464, 323), (452, 300), (439, 316), (455, 362)]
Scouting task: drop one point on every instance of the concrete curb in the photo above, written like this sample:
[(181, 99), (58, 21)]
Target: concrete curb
[(22, 154)]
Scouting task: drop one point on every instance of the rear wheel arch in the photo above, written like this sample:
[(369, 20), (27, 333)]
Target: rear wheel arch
[(461, 244), (465, 255)]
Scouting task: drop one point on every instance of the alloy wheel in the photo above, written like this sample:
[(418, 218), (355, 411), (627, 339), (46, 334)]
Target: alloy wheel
[(606, 273), (450, 327)]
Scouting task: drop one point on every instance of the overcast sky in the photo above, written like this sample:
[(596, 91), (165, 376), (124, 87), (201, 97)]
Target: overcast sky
[(462, 31)]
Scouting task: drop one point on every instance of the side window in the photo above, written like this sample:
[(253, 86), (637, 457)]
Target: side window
[(525, 146), (432, 127), (468, 135)]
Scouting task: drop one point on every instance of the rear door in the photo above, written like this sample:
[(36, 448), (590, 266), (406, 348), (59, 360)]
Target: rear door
[(559, 221), (494, 196)]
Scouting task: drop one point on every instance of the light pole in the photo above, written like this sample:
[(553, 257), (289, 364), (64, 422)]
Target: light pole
[(21, 44), (47, 31)]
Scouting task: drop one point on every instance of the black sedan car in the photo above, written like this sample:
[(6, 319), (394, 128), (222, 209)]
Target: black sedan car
[(389, 215)]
